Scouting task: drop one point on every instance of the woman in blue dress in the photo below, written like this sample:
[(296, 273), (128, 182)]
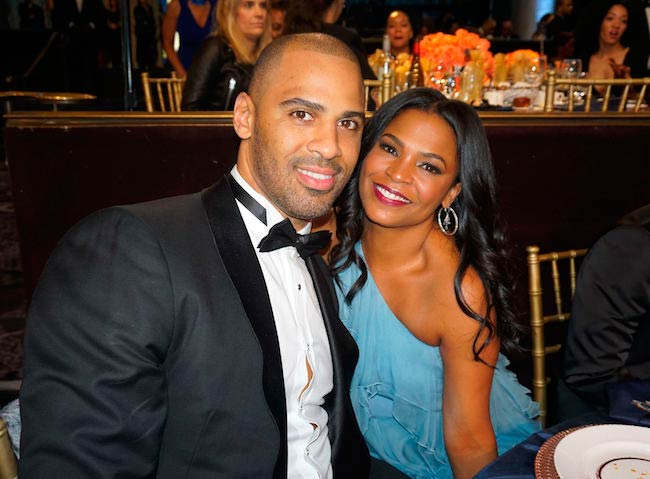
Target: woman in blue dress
[(425, 288)]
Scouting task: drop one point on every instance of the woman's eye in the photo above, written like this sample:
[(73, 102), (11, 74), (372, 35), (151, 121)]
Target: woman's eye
[(388, 149), (428, 167), (349, 124), (301, 115)]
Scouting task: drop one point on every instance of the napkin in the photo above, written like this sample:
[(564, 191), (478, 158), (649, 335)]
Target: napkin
[(620, 397)]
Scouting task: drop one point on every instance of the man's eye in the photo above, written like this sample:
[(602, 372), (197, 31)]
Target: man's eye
[(301, 115), (349, 124)]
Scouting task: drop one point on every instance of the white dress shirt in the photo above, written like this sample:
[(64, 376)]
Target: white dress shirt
[(303, 342)]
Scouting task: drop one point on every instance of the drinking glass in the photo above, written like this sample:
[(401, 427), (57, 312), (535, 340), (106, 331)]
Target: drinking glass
[(535, 71), (571, 68)]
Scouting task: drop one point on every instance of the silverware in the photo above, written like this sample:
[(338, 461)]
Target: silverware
[(643, 405)]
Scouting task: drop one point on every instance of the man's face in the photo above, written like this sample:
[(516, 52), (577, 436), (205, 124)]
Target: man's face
[(306, 133), (277, 22), (566, 7)]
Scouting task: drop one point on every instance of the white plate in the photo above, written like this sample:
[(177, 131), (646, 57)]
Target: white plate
[(607, 451)]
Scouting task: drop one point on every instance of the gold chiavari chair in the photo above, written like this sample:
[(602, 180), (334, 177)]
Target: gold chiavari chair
[(632, 89), (368, 86), (166, 95), (560, 265), (385, 90)]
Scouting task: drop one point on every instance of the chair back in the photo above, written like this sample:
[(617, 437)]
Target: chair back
[(368, 87), (632, 89), (8, 463), (162, 94), (558, 268)]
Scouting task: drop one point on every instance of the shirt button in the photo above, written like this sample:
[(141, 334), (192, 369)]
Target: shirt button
[(299, 287)]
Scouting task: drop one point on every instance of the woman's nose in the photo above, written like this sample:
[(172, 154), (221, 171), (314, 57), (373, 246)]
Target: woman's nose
[(399, 170)]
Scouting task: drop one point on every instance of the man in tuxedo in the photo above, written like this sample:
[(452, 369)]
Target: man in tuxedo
[(198, 336), (82, 23)]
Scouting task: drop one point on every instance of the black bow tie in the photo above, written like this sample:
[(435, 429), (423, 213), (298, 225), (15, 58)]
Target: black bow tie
[(283, 234)]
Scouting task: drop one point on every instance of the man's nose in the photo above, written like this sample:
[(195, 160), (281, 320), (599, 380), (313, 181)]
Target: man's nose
[(325, 142)]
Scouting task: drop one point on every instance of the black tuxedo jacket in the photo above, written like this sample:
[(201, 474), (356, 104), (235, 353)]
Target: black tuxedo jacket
[(151, 351), (66, 16)]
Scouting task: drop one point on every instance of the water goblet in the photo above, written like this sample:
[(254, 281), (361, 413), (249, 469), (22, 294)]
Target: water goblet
[(571, 68)]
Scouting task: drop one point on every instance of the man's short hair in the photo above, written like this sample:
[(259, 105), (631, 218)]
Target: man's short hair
[(271, 56)]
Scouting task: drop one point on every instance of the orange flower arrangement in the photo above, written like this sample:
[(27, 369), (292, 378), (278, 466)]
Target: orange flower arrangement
[(516, 63), (521, 56), (441, 50)]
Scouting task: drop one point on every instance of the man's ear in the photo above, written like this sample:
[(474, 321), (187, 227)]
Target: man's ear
[(243, 115), (451, 195)]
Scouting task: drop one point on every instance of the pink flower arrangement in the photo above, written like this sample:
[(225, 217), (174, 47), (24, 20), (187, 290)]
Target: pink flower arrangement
[(443, 51)]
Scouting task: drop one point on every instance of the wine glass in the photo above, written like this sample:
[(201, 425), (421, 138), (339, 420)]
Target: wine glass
[(571, 68), (535, 71)]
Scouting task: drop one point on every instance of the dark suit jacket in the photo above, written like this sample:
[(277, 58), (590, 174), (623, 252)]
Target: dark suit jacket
[(66, 16), (609, 331), (151, 351)]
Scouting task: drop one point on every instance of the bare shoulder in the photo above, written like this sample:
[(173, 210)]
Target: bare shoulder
[(173, 9), (457, 329)]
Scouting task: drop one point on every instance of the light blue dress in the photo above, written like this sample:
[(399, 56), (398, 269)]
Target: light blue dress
[(397, 389)]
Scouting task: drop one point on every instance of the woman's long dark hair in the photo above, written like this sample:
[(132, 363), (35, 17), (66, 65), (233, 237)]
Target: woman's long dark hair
[(480, 239)]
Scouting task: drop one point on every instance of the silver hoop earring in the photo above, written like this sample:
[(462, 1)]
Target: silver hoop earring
[(445, 222)]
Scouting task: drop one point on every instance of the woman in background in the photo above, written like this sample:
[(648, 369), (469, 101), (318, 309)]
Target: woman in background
[(609, 42), (400, 33), (191, 19), (223, 64), (425, 288)]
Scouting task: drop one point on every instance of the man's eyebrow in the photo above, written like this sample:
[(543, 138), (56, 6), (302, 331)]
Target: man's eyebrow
[(302, 102), (358, 114)]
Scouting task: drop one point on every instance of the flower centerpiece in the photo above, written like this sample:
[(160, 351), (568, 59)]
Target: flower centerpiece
[(514, 64), (442, 52)]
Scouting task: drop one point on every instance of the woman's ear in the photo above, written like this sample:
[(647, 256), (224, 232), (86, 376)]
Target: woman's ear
[(451, 195), (243, 115)]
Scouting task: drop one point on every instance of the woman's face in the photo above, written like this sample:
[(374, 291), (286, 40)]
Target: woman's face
[(398, 28), (410, 171), (613, 25), (251, 18)]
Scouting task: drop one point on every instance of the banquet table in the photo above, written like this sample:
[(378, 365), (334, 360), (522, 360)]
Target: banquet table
[(519, 462)]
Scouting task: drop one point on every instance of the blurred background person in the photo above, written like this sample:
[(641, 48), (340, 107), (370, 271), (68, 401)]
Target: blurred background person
[(507, 30), (563, 19), (31, 15), (611, 42), (564, 47), (487, 28), (224, 62), (81, 23), (304, 16), (192, 20), (145, 35), (278, 14), (113, 35), (400, 32), (609, 330), (541, 32)]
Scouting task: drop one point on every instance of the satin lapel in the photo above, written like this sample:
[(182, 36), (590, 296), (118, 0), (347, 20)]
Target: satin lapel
[(238, 255), (344, 356)]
